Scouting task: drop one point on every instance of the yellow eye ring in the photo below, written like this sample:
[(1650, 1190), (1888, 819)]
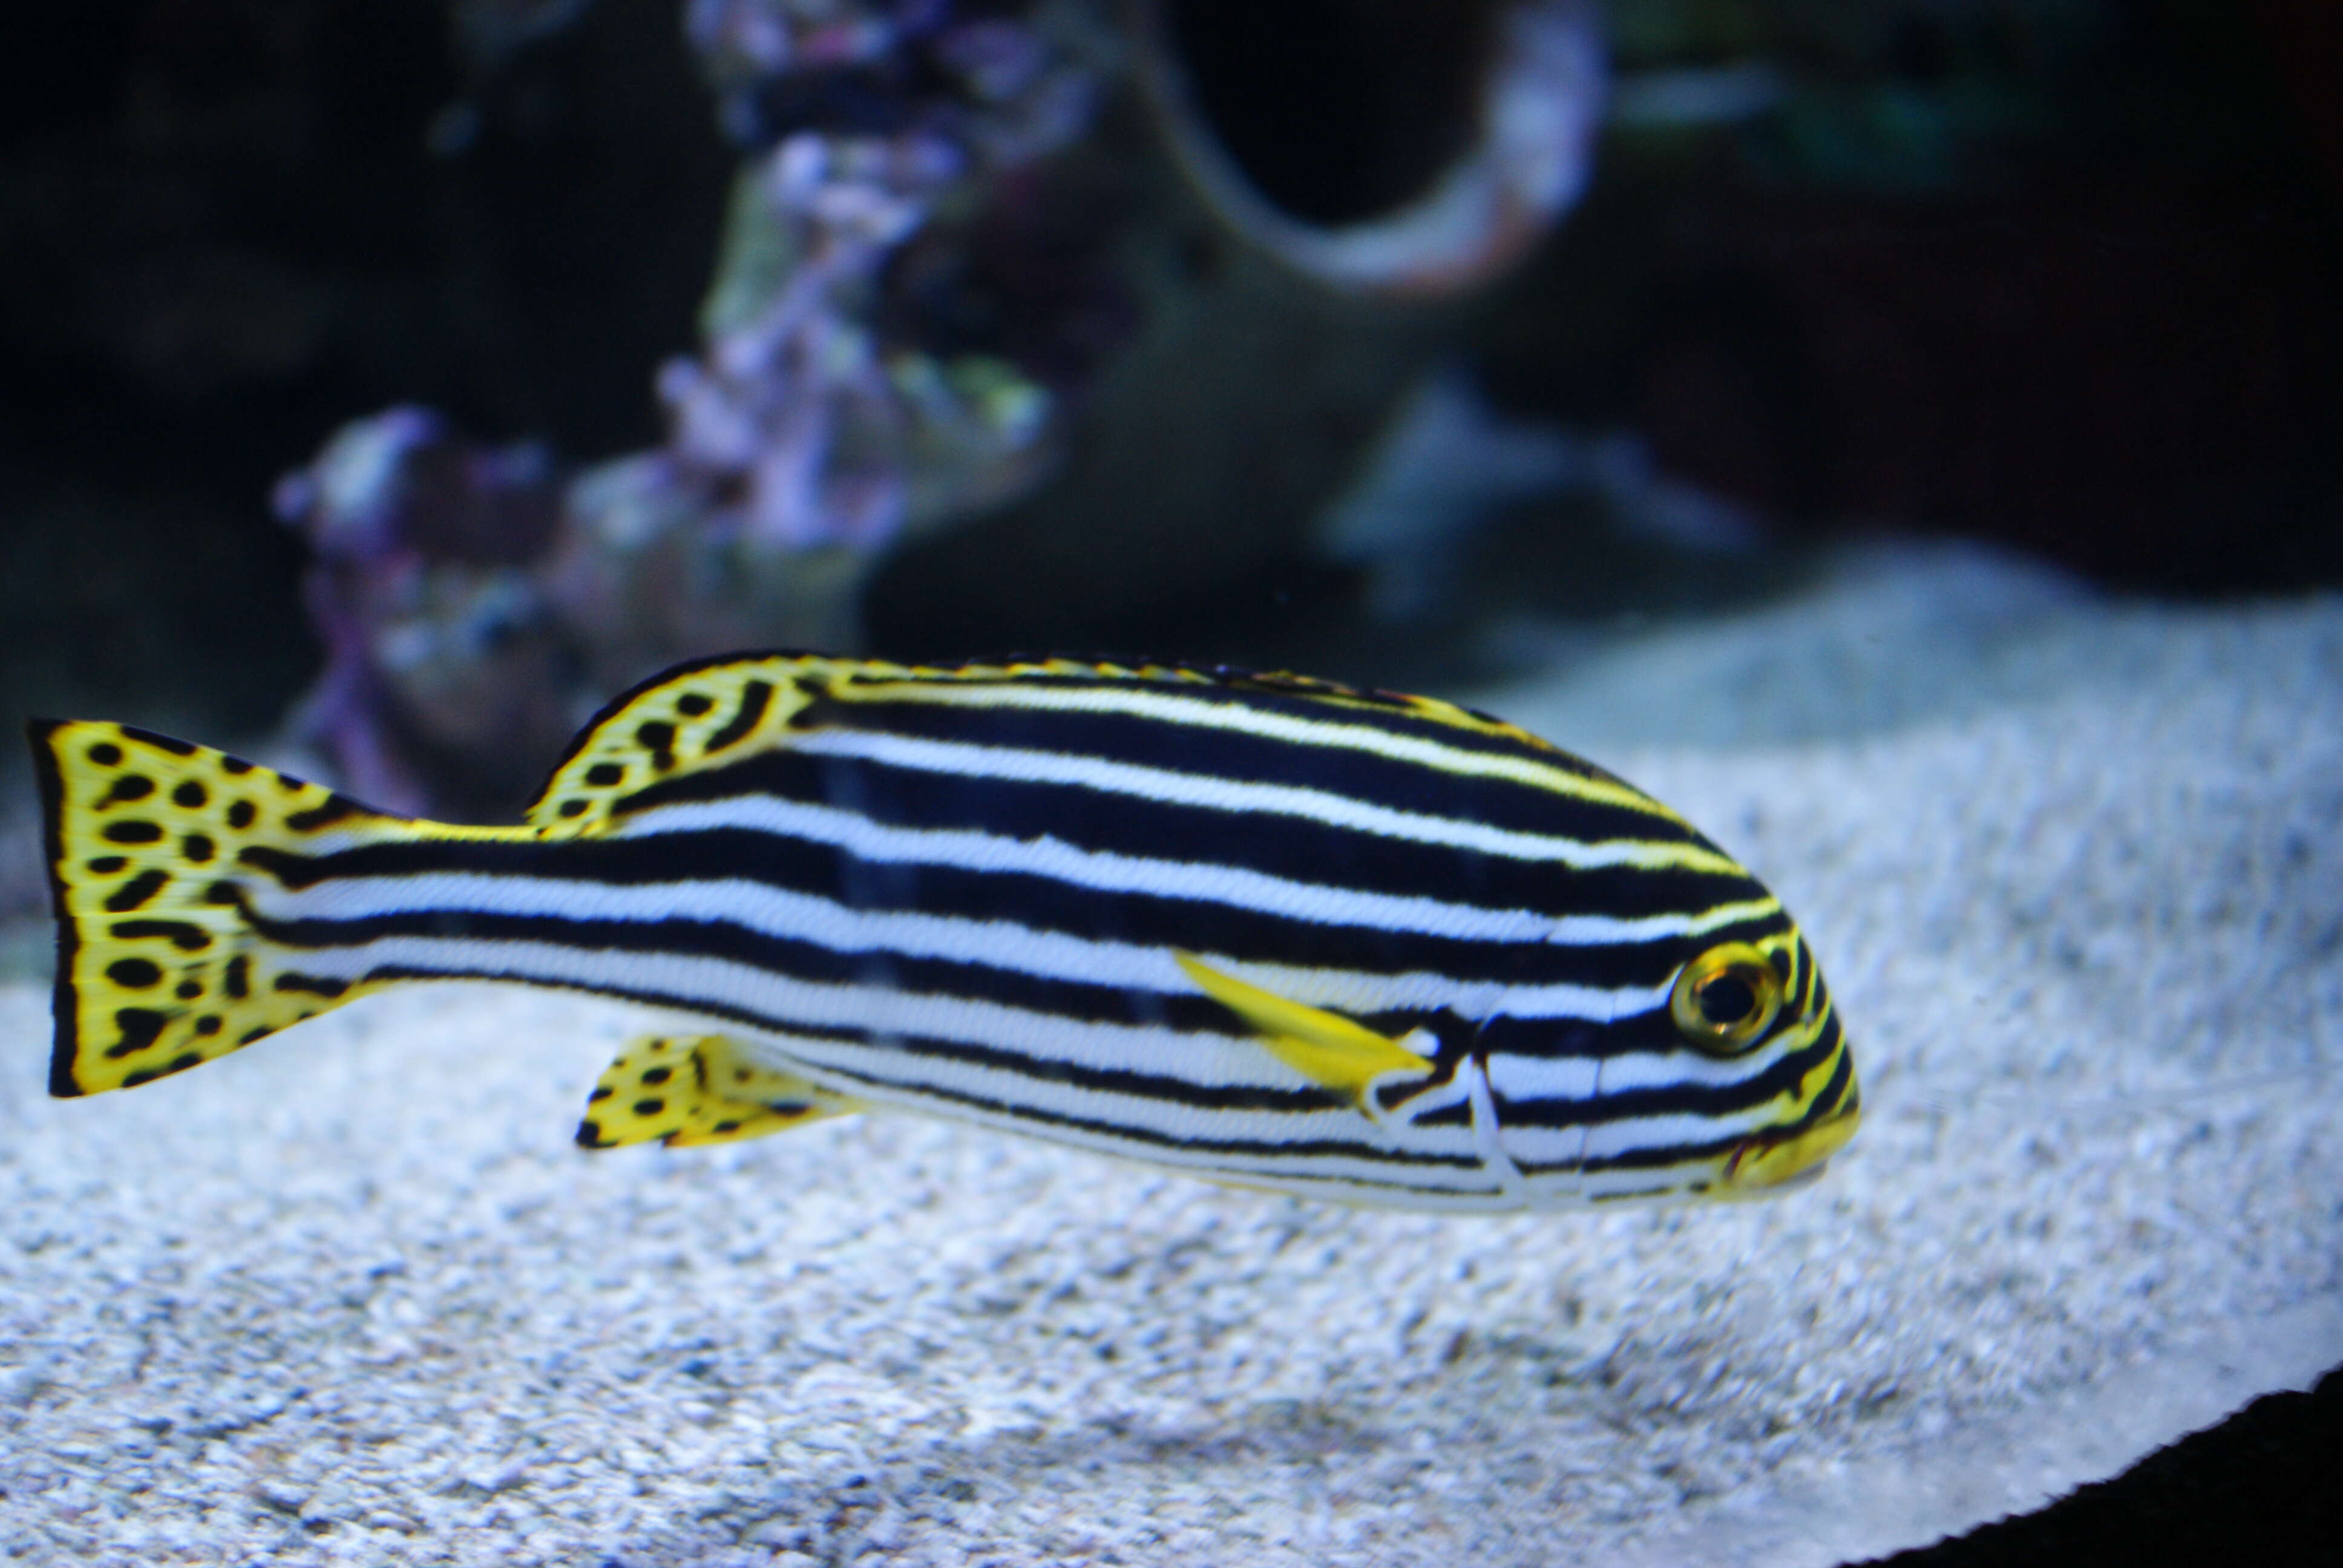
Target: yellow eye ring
[(1725, 999)]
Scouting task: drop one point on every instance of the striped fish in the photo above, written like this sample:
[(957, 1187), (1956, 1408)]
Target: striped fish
[(1261, 929)]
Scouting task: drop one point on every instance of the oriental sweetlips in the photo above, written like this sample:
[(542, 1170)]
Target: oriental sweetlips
[(1261, 929)]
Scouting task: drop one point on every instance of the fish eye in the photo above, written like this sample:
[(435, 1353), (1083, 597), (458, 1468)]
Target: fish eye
[(1726, 998)]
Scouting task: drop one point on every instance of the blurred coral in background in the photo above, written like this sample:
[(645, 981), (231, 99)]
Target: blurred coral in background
[(476, 605), (910, 295)]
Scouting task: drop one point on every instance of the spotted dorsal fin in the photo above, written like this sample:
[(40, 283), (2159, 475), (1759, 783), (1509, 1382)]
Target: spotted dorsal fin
[(696, 715), (1344, 1057)]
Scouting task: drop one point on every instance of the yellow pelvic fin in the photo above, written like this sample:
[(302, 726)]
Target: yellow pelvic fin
[(1325, 1047), (687, 1090), (154, 847)]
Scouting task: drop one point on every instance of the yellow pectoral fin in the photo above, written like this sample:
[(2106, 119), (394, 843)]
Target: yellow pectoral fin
[(1325, 1047), (689, 1090)]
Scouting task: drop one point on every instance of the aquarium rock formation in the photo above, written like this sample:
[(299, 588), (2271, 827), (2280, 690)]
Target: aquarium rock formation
[(947, 260), (1419, 150), (474, 602)]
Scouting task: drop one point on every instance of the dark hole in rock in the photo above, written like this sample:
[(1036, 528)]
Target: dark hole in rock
[(1338, 111)]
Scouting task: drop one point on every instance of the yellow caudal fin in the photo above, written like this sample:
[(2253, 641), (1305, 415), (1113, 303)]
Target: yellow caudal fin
[(1342, 1056), (690, 1090), (152, 845)]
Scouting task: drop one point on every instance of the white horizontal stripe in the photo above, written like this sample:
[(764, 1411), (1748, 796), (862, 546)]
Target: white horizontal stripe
[(1680, 1069), (1579, 1001), (1657, 1184), (1221, 713), (755, 906), (1543, 1145), (1207, 1060), (962, 759), (1356, 992), (1552, 1189), (1558, 930), (1521, 1078), (778, 912), (1608, 1140), (1608, 930), (1442, 1191), (1358, 1195), (967, 849)]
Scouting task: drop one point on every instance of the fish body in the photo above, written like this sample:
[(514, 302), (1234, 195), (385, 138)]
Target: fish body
[(1260, 928)]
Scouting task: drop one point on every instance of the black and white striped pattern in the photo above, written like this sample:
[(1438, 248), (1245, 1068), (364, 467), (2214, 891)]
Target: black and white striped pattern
[(961, 891)]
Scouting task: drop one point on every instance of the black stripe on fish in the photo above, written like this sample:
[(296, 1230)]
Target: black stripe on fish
[(1013, 900), (1291, 847), (1237, 756)]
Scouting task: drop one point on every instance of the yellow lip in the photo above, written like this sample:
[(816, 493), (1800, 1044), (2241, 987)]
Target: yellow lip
[(1759, 1165)]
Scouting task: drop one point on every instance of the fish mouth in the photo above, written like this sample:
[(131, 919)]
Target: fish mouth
[(1779, 1162), (1797, 1178)]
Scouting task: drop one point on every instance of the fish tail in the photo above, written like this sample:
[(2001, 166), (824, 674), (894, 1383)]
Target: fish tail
[(154, 845)]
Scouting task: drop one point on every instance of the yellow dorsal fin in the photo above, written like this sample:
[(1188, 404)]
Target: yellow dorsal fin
[(1325, 1047), (694, 716), (690, 1090), (715, 711)]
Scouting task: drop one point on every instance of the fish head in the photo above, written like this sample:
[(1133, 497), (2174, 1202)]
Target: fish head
[(1741, 1084), (1764, 1009)]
